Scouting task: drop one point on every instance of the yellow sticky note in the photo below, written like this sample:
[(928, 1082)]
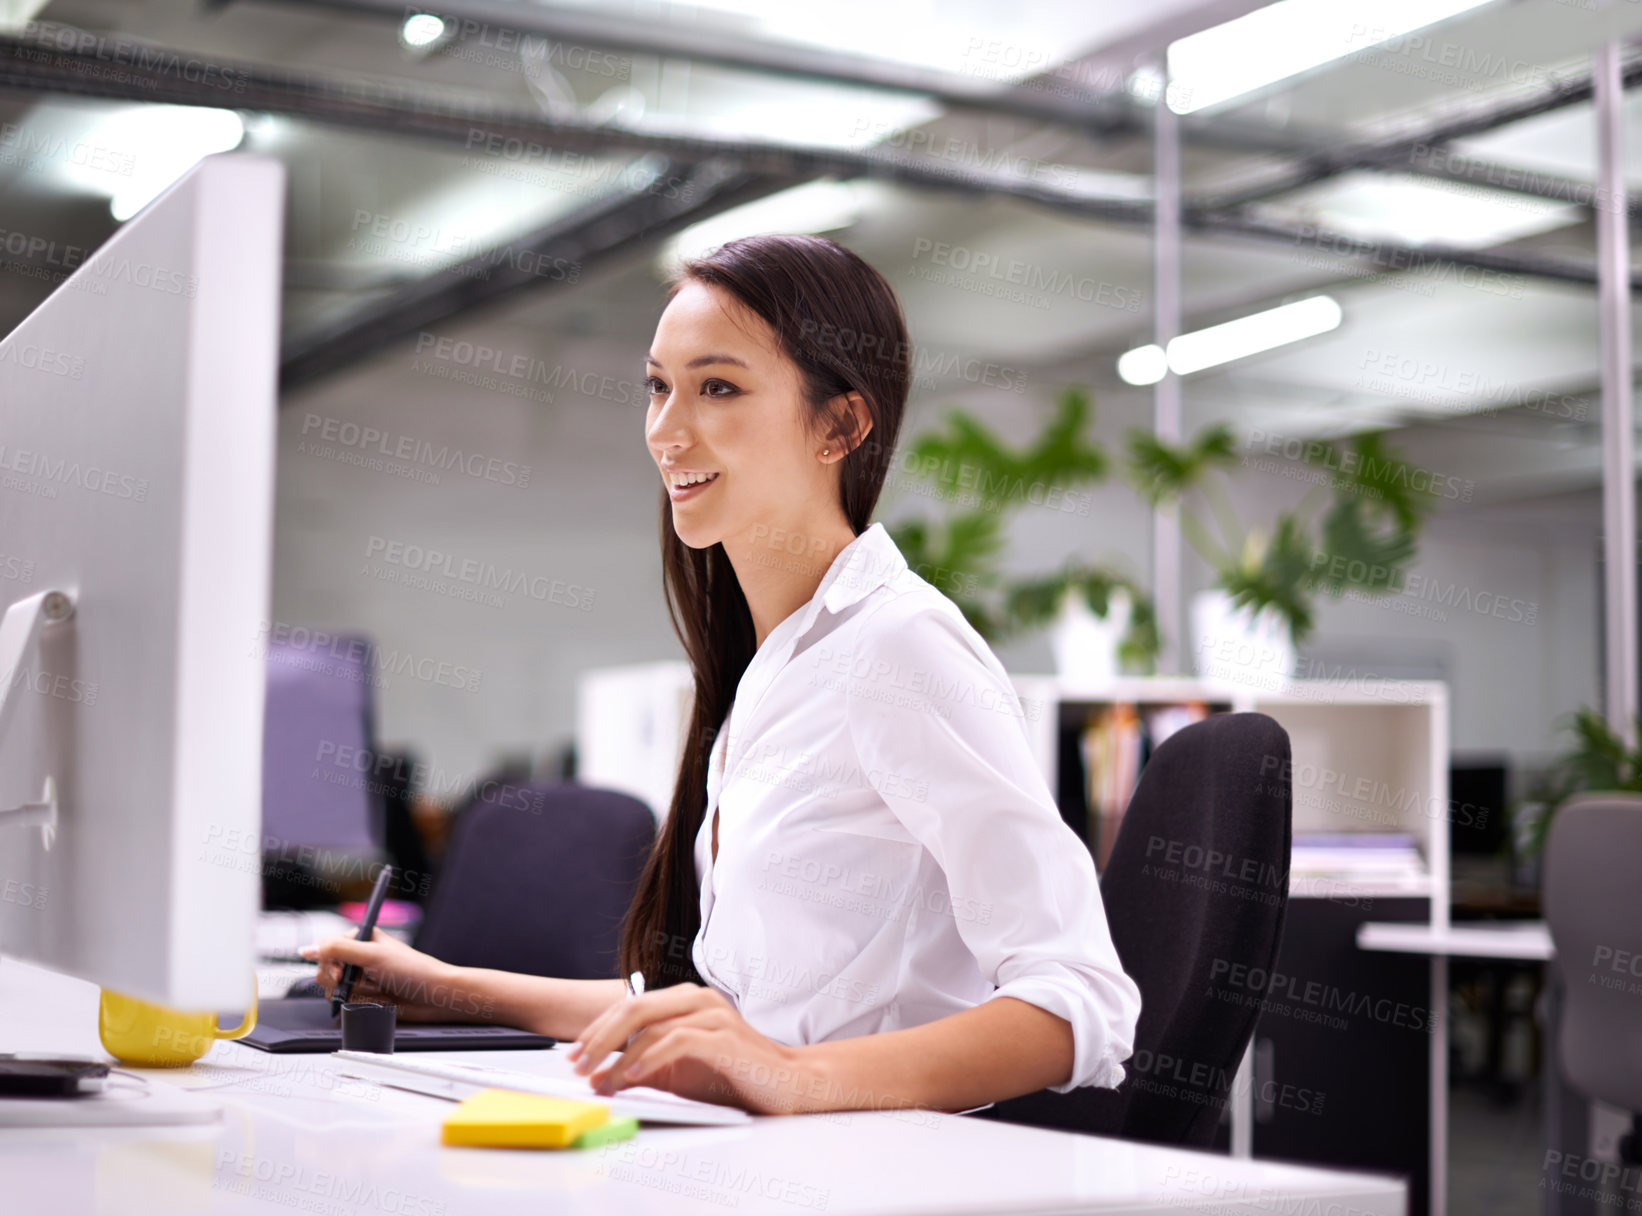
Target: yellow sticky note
[(506, 1118)]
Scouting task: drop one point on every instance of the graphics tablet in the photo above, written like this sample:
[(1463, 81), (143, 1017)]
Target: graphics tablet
[(289, 1025)]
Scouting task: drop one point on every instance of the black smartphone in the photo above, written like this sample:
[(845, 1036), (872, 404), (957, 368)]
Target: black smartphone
[(49, 1077)]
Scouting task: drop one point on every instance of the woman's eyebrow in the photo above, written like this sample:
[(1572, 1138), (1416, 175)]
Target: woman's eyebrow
[(701, 360)]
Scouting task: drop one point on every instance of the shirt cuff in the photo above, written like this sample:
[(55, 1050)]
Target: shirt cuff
[(1096, 1052)]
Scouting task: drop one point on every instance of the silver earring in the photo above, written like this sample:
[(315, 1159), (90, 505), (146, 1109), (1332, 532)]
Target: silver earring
[(824, 451)]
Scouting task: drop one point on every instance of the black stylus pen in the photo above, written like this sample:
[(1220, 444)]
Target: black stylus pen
[(350, 971)]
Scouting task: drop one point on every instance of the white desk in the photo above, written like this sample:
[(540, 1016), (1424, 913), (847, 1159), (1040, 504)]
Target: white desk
[(1528, 941), (294, 1136)]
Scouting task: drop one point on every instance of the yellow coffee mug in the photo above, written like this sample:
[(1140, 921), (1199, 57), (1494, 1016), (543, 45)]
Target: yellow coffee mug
[(151, 1036)]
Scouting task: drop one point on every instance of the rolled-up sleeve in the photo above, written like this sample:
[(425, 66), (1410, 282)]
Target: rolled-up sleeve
[(925, 701)]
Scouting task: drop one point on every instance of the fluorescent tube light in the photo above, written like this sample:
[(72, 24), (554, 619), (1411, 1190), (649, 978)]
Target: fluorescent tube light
[(1206, 348), (1419, 211), (1285, 39)]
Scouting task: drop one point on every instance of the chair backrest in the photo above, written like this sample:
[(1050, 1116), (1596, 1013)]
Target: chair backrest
[(537, 879), (1593, 906), (1196, 891)]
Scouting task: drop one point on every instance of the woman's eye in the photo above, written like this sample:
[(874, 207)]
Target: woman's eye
[(654, 386), (710, 387)]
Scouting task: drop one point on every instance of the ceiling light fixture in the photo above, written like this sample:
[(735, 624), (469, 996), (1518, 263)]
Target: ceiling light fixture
[(422, 30), (163, 143), (1287, 38), (1206, 348)]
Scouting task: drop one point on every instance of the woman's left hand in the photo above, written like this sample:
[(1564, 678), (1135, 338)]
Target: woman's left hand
[(689, 1040)]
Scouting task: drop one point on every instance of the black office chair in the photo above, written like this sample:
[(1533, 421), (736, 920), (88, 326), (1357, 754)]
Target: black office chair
[(1195, 891), (1593, 908), (537, 879)]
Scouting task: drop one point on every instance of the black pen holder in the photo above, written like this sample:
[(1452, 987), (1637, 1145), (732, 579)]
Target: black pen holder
[(367, 1026)]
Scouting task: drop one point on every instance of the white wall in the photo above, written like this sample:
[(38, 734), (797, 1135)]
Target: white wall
[(582, 529)]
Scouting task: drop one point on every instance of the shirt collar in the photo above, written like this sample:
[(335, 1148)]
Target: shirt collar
[(867, 563)]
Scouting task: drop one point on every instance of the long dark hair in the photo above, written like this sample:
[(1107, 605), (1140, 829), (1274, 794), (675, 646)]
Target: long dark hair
[(840, 323)]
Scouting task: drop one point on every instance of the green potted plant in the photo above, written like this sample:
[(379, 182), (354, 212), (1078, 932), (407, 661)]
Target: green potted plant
[(1354, 532), (1599, 760), (967, 464)]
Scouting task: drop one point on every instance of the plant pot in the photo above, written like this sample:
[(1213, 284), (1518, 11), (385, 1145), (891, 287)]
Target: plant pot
[(1085, 645), (1235, 648)]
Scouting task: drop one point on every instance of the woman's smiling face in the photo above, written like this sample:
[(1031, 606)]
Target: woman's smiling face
[(726, 402)]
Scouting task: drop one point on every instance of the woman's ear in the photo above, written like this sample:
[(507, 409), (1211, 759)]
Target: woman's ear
[(852, 423)]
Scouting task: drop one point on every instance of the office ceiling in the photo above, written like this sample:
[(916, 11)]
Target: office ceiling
[(1490, 368)]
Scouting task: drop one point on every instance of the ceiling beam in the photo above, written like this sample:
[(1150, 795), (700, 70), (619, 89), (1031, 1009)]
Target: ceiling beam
[(1087, 93), (744, 170), (1404, 151), (561, 251), (703, 43), (1391, 257), (1114, 115), (28, 66), (1443, 164), (36, 66)]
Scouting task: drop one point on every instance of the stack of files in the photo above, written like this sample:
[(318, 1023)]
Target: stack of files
[(1117, 740), (1164, 720), (1111, 746), (1384, 858)]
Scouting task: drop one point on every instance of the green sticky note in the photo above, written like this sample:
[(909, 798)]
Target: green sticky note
[(607, 1133)]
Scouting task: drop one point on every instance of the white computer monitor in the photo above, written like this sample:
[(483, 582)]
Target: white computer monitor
[(137, 431)]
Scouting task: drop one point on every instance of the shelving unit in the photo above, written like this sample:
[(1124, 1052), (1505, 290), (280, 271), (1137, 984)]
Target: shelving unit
[(1367, 756)]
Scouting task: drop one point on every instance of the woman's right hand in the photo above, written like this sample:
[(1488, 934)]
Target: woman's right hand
[(424, 988)]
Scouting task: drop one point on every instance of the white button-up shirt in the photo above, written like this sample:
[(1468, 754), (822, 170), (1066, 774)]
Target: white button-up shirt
[(888, 850)]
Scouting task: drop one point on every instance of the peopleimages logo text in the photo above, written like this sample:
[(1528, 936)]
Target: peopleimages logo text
[(373, 440), (1368, 470), (439, 564)]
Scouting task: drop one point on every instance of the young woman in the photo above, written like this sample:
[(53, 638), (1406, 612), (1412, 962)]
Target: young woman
[(863, 894)]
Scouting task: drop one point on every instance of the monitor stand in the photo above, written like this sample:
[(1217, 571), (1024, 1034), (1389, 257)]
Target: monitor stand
[(125, 1100), (19, 636)]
